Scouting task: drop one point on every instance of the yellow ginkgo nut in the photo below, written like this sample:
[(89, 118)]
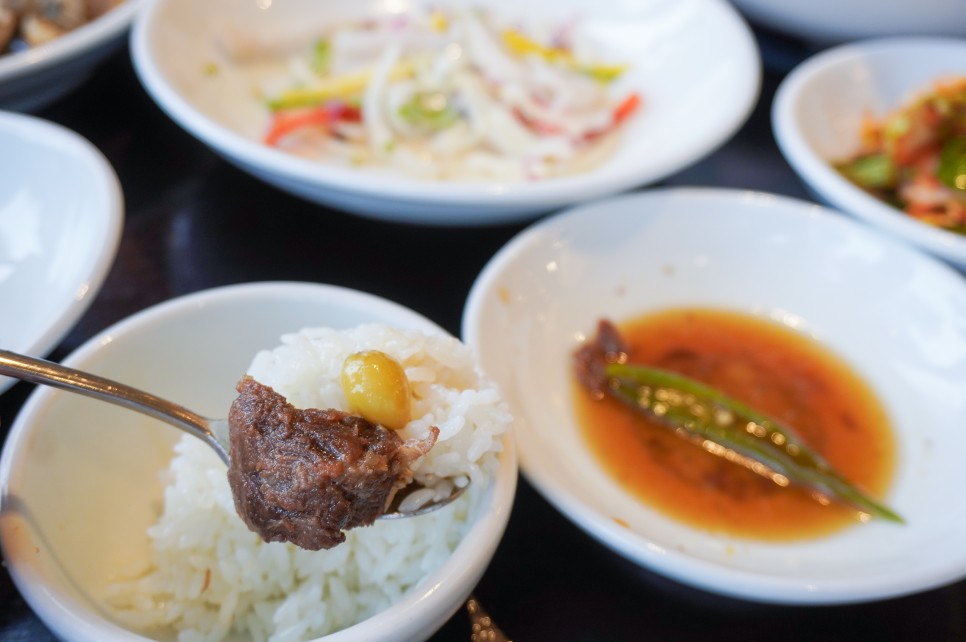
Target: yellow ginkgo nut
[(376, 387)]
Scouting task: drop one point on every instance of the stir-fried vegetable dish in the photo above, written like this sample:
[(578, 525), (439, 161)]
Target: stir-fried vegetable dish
[(915, 158), (447, 94), (31, 23)]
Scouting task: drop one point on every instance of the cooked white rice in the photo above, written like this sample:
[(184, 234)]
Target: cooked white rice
[(211, 578)]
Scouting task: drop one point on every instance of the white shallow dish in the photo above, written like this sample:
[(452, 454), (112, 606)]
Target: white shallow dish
[(818, 111), (831, 21), (897, 316), (695, 64), (80, 478), (61, 214), (34, 78)]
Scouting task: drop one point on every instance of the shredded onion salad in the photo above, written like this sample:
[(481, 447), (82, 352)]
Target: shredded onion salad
[(452, 95)]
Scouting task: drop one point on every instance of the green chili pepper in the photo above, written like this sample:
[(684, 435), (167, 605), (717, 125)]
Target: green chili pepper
[(432, 110), (321, 56), (735, 431), (875, 171), (952, 163)]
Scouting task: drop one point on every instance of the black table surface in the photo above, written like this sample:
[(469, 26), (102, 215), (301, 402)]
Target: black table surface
[(194, 221)]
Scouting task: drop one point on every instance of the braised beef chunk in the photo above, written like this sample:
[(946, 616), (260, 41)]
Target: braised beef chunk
[(607, 346), (304, 476)]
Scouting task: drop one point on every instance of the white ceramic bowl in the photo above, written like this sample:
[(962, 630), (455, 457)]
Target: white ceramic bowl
[(831, 21), (56, 245), (819, 107), (694, 62), (34, 78), (80, 478), (895, 315)]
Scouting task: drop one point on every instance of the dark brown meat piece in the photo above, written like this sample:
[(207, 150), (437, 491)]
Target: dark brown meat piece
[(590, 359), (304, 476)]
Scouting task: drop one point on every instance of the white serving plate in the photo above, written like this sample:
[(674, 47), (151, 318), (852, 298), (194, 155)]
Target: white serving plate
[(895, 315), (818, 111), (61, 214), (695, 64), (80, 480), (34, 78)]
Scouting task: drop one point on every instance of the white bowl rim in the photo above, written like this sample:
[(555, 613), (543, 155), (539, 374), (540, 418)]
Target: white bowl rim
[(73, 620), (102, 173), (548, 192), (823, 25), (822, 177), (71, 44)]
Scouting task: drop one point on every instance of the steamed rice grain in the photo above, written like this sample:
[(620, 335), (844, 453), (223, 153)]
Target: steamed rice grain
[(211, 578)]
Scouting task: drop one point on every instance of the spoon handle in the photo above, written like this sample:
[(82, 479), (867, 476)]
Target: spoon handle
[(52, 374)]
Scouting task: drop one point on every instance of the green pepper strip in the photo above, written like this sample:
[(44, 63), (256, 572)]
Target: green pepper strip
[(952, 164), (706, 414), (875, 171)]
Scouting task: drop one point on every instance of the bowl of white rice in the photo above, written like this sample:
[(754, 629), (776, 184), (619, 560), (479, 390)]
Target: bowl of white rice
[(115, 526)]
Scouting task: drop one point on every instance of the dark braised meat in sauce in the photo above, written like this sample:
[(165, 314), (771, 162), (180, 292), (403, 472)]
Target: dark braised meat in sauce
[(304, 476), (607, 346)]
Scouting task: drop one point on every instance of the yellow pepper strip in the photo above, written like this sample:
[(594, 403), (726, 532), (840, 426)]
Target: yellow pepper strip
[(521, 45), (603, 73), (345, 87), (438, 21)]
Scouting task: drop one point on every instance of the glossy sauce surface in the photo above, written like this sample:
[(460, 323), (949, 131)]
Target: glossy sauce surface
[(774, 370)]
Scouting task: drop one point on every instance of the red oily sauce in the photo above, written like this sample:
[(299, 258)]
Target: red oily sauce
[(772, 369)]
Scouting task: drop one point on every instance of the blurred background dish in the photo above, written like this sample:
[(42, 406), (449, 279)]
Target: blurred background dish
[(61, 214), (833, 21), (32, 77), (81, 478), (820, 109), (786, 261), (694, 65)]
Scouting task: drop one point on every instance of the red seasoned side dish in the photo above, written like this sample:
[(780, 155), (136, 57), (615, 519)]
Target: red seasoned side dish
[(915, 157)]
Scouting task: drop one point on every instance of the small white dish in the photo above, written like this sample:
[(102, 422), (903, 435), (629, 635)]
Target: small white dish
[(832, 21), (895, 315), (34, 78), (694, 62), (818, 111), (81, 481), (61, 213)]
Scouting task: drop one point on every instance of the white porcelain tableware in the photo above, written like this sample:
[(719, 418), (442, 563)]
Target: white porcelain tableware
[(832, 21), (61, 213), (819, 108), (31, 79), (895, 315), (81, 480), (694, 62)]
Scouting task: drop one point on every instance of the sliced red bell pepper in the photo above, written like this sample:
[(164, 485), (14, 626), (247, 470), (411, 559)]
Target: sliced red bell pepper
[(627, 107), (289, 121)]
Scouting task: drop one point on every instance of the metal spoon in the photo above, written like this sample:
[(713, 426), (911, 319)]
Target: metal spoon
[(213, 432)]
